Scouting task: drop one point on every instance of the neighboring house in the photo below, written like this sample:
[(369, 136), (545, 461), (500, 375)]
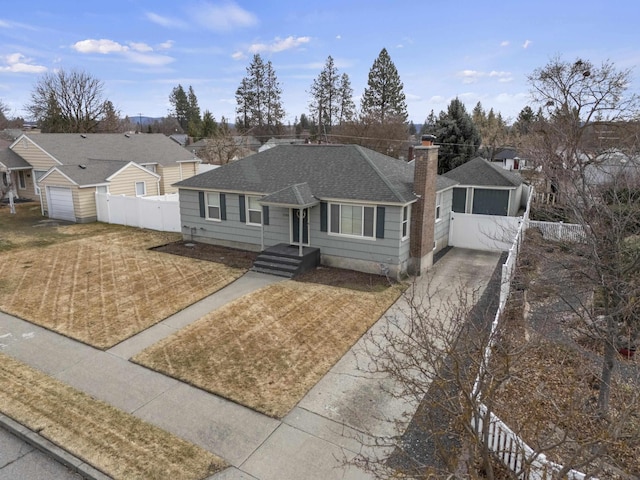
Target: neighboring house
[(508, 158), (362, 210), (78, 165), (612, 167), (274, 142), (14, 172), (68, 191), (486, 188)]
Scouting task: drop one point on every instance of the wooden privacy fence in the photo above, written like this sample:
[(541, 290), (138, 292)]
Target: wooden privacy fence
[(156, 213)]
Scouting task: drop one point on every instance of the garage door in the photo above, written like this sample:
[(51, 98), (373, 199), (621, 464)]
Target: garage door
[(490, 202), (61, 203)]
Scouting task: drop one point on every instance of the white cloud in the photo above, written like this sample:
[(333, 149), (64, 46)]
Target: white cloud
[(168, 22), (166, 45), (18, 63), (279, 44), (222, 17), (526, 43), (238, 55), (149, 60), (140, 47), (103, 46), (136, 52), (338, 37), (504, 43), (472, 76)]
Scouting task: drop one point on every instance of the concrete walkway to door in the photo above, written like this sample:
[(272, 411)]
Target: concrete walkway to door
[(310, 443)]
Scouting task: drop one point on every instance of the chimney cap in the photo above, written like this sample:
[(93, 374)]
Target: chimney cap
[(427, 140)]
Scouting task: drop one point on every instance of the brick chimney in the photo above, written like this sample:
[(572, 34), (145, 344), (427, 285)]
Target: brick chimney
[(423, 211)]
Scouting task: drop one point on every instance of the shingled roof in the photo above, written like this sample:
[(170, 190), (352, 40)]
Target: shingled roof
[(93, 172), (75, 149), (344, 172), (12, 161), (482, 173)]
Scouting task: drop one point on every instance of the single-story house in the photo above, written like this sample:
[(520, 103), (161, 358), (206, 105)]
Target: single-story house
[(360, 209), (76, 166), (486, 188)]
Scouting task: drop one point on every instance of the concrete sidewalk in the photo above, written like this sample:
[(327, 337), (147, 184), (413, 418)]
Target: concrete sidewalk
[(311, 442)]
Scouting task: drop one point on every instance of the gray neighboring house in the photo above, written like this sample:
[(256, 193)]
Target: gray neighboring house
[(486, 189), (359, 209)]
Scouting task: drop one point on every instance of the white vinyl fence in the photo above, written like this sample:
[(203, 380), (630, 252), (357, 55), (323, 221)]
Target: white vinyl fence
[(512, 450), (559, 231), (156, 213)]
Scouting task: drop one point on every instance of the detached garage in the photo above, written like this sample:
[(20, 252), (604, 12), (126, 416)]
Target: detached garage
[(486, 189), (68, 192), (60, 201)]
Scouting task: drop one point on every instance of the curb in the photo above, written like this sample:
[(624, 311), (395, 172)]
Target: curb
[(37, 441)]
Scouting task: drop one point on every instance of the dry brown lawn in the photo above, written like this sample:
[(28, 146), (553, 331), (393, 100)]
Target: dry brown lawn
[(267, 349), (118, 444), (99, 283)]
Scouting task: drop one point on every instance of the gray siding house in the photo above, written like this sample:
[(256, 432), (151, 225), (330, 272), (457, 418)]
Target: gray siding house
[(362, 210), (486, 188)]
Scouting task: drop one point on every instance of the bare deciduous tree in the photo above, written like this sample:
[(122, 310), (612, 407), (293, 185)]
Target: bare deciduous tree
[(587, 153), (68, 102)]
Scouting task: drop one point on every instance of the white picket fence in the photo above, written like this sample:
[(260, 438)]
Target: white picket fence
[(559, 231), (156, 213), (505, 444)]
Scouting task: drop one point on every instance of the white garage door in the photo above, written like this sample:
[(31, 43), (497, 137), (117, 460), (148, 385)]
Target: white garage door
[(61, 203)]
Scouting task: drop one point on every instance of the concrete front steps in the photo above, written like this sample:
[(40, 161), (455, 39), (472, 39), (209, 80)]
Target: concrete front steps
[(284, 260)]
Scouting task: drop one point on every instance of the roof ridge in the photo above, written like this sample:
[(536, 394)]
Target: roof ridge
[(375, 168)]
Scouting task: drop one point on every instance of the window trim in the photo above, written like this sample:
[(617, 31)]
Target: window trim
[(406, 222), (208, 205), (144, 188), (248, 210), (362, 236), (438, 211)]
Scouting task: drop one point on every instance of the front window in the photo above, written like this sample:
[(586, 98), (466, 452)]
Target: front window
[(254, 211), (405, 222), (22, 183), (438, 208), (213, 206), (141, 189), (352, 220)]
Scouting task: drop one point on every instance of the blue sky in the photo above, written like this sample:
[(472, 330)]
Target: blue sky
[(477, 51)]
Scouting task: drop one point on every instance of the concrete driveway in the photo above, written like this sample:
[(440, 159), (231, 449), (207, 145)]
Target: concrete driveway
[(312, 442)]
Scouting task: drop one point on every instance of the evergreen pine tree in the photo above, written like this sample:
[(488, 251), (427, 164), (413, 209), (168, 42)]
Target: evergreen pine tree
[(259, 105), (384, 98), (457, 135), (180, 103)]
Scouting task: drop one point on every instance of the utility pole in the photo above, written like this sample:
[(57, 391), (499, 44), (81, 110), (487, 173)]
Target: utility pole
[(140, 122)]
